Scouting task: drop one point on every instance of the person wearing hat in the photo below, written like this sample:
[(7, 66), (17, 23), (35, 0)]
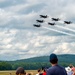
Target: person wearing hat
[(20, 71), (55, 69)]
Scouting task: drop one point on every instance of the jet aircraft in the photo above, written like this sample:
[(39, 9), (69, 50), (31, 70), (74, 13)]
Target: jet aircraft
[(35, 25), (43, 16), (55, 19), (51, 23), (67, 22), (40, 21)]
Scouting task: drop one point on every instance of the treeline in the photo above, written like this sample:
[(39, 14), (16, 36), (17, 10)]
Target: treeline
[(37, 62), (26, 66), (5, 66)]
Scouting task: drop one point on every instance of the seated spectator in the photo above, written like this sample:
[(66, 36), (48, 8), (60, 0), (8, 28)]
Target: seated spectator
[(20, 71)]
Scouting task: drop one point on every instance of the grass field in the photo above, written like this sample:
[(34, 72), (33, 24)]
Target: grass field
[(33, 72)]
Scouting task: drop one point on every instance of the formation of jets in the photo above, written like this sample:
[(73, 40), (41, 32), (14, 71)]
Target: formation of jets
[(49, 23)]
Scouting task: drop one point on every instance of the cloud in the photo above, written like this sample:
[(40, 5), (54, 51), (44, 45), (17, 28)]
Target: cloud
[(19, 39), (65, 48)]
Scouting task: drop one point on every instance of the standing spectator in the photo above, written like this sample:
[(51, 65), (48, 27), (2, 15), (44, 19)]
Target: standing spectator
[(20, 71), (72, 68), (29, 74), (55, 69), (44, 73), (69, 71), (39, 72)]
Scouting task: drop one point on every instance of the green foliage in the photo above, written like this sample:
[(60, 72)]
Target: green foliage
[(29, 66), (37, 62), (5, 66)]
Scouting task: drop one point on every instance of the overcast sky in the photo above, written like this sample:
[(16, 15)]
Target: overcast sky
[(19, 39)]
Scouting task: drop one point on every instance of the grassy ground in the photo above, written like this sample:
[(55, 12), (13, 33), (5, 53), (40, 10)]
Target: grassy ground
[(33, 72)]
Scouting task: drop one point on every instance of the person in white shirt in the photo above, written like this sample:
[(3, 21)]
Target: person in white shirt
[(69, 71)]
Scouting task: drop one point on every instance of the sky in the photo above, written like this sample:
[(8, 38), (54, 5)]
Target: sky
[(19, 39)]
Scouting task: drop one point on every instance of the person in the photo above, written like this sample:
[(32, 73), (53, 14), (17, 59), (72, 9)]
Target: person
[(20, 71), (55, 69), (44, 73), (39, 72), (29, 74), (69, 71), (72, 68)]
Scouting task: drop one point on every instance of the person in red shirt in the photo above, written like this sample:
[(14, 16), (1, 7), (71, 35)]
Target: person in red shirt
[(44, 73)]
